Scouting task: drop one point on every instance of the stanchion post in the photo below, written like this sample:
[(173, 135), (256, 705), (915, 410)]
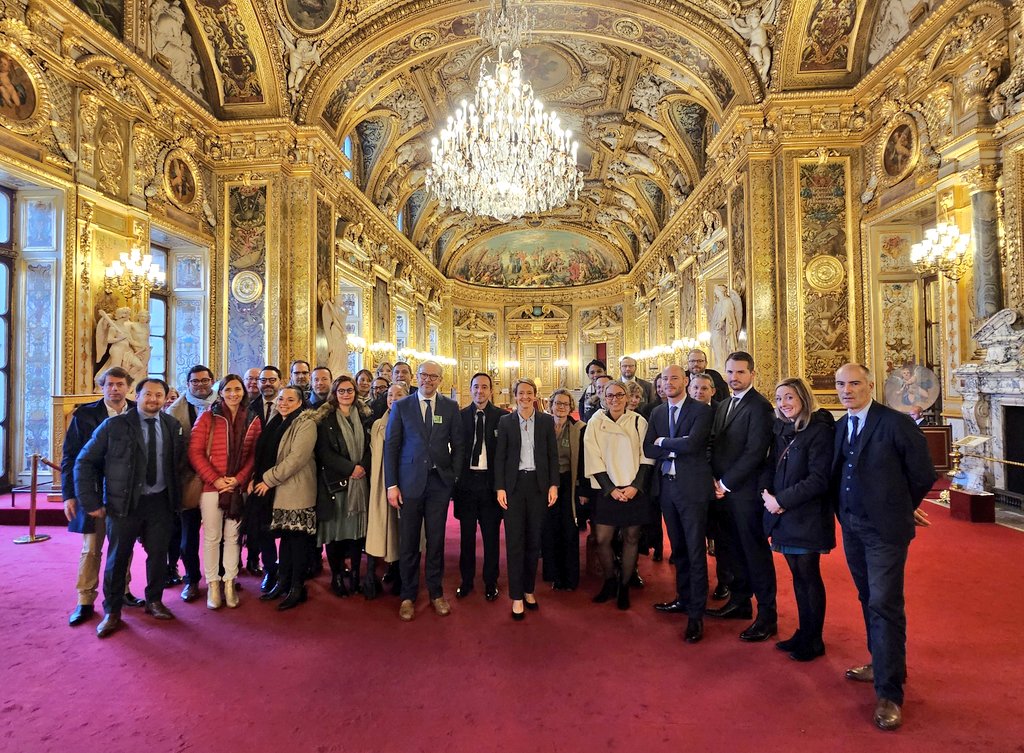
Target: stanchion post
[(32, 538)]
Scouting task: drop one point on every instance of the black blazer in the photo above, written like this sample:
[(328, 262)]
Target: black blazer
[(256, 411), (84, 422), (545, 452), (468, 417), (721, 388), (892, 468), (111, 469), (690, 444), (334, 462), (739, 446), (798, 473)]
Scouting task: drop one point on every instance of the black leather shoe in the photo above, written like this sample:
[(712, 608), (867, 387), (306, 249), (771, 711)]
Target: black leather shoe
[(790, 644), (269, 581), (253, 568), (636, 581), (190, 593), (131, 600), (721, 593), (694, 630), (279, 590), (608, 590), (81, 614), (295, 597), (338, 586), (491, 593), (158, 610), (732, 611), (808, 651), (110, 623), (173, 579), (888, 715), (671, 607), (463, 591), (759, 631), (622, 597), (863, 673)]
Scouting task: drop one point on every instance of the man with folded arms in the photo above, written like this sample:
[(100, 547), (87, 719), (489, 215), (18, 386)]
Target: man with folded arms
[(129, 474)]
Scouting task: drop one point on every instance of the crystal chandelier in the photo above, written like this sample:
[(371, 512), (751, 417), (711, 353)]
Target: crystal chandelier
[(133, 274), (502, 155), (943, 250)]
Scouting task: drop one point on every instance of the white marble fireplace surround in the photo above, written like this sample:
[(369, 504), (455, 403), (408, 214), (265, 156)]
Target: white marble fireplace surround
[(987, 388)]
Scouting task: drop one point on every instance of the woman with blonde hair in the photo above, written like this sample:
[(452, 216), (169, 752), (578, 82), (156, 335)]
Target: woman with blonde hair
[(798, 513)]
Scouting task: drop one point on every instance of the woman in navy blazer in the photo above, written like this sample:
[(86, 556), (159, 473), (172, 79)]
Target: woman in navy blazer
[(798, 512)]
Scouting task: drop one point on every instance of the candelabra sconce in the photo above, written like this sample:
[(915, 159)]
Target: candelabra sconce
[(943, 250), (133, 275), (356, 344), (562, 365)]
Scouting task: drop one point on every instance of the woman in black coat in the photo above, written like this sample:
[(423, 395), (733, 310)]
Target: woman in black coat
[(798, 513)]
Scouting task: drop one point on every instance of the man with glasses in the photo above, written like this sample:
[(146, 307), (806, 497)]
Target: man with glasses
[(627, 373), (197, 397), (301, 374), (475, 498), (400, 372), (252, 383), (423, 454), (269, 381)]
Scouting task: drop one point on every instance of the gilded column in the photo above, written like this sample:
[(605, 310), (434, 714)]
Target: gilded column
[(298, 265), (762, 325)]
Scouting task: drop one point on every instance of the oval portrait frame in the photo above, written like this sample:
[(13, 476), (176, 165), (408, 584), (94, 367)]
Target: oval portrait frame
[(40, 116), (179, 154), (286, 14), (895, 164)]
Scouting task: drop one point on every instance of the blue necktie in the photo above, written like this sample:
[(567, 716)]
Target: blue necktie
[(855, 423)]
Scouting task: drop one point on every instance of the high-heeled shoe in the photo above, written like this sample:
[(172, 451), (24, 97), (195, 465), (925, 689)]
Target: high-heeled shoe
[(518, 616), (533, 606)]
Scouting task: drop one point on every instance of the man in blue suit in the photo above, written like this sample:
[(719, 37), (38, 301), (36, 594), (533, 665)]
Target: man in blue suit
[(881, 470), (423, 454)]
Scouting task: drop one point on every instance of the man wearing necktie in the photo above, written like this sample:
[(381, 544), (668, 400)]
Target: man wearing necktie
[(423, 455), (741, 434), (677, 437), (881, 470), (475, 497), (129, 473)]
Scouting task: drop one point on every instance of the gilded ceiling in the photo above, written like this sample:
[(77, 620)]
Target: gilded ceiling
[(644, 85)]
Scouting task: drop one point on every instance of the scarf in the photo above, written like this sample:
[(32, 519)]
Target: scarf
[(270, 441), (354, 437), (200, 403)]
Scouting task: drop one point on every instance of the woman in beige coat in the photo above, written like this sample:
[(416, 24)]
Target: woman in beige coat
[(382, 518), (286, 469)]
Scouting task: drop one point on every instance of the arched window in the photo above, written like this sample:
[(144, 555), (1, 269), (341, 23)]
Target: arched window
[(346, 147)]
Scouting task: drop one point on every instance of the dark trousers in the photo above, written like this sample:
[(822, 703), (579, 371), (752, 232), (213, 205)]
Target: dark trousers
[(428, 513), (268, 550), (877, 570), (295, 551), (152, 520), (524, 524), (686, 519), (718, 522), (185, 544), (478, 504), (560, 539), (747, 544)]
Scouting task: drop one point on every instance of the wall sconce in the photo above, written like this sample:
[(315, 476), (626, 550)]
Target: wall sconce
[(943, 250), (382, 348), (355, 343), (133, 275)]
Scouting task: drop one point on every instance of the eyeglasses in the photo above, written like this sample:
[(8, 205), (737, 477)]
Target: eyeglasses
[(431, 377), (614, 395), (345, 391), (561, 404), (200, 381), (267, 380)]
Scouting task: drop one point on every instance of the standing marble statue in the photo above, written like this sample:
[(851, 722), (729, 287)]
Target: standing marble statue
[(139, 328), (334, 316), (726, 320), (114, 341)]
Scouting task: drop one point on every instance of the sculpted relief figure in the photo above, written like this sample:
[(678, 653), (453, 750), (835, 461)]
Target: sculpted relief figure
[(301, 56), (334, 316), (726, 320), (171, 39), (754, 29), (114, 342)]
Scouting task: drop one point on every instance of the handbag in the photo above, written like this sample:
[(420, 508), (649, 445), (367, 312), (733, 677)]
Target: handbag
[(193, 489), (332, 497)]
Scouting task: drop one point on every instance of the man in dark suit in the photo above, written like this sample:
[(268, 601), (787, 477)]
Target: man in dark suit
[(474, 497), (114, 383), (677, 437), (322, 379), (697, 363), (129, 473), (881, 471), (741, 434), (627, 373), (263, 408), (526, 478), (423, 454), (400, 372)]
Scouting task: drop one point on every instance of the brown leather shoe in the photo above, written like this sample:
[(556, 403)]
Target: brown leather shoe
[(407, 610), (441, 606), (888, 715), (158, 610), (110, 623), (863, 673)]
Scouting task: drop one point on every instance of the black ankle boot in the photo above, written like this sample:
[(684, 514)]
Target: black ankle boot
[(295, 597), (338, 585), (791, 644), (607, 592), (622, 598)]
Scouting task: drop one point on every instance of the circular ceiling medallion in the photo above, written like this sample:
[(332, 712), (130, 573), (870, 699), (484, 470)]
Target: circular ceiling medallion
[(247, 286), (627, 28), (825, 273), (424, 40)]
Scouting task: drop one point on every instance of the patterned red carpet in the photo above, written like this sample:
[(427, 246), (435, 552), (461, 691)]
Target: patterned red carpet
[(347, 675)]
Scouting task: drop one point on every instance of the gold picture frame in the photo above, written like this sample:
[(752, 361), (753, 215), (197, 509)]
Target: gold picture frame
[(899, 150), (24, 96), (182, 184)]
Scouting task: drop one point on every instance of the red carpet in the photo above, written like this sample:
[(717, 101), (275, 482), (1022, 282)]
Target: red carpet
[(347, 675)]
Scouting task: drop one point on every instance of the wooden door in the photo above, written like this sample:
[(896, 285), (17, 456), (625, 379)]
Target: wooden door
[(472, 357), (537, 362)]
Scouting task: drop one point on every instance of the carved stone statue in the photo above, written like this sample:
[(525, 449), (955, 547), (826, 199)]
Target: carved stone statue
[(114, 342), (334, 316), (754, 29), (302, 55), (726, 320), (171, 40), (139, 328)]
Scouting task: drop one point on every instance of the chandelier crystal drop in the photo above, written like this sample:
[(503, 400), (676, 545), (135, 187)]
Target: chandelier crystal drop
[(502, 155)]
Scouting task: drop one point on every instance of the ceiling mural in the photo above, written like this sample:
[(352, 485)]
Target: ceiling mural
[(537, 258), (107, 13)]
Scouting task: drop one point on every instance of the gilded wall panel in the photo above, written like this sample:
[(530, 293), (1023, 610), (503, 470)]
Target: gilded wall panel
[(823, 222), (764, 335), (738, 244), (298, 286), (899, 331), (247, 230), (324, 263)]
